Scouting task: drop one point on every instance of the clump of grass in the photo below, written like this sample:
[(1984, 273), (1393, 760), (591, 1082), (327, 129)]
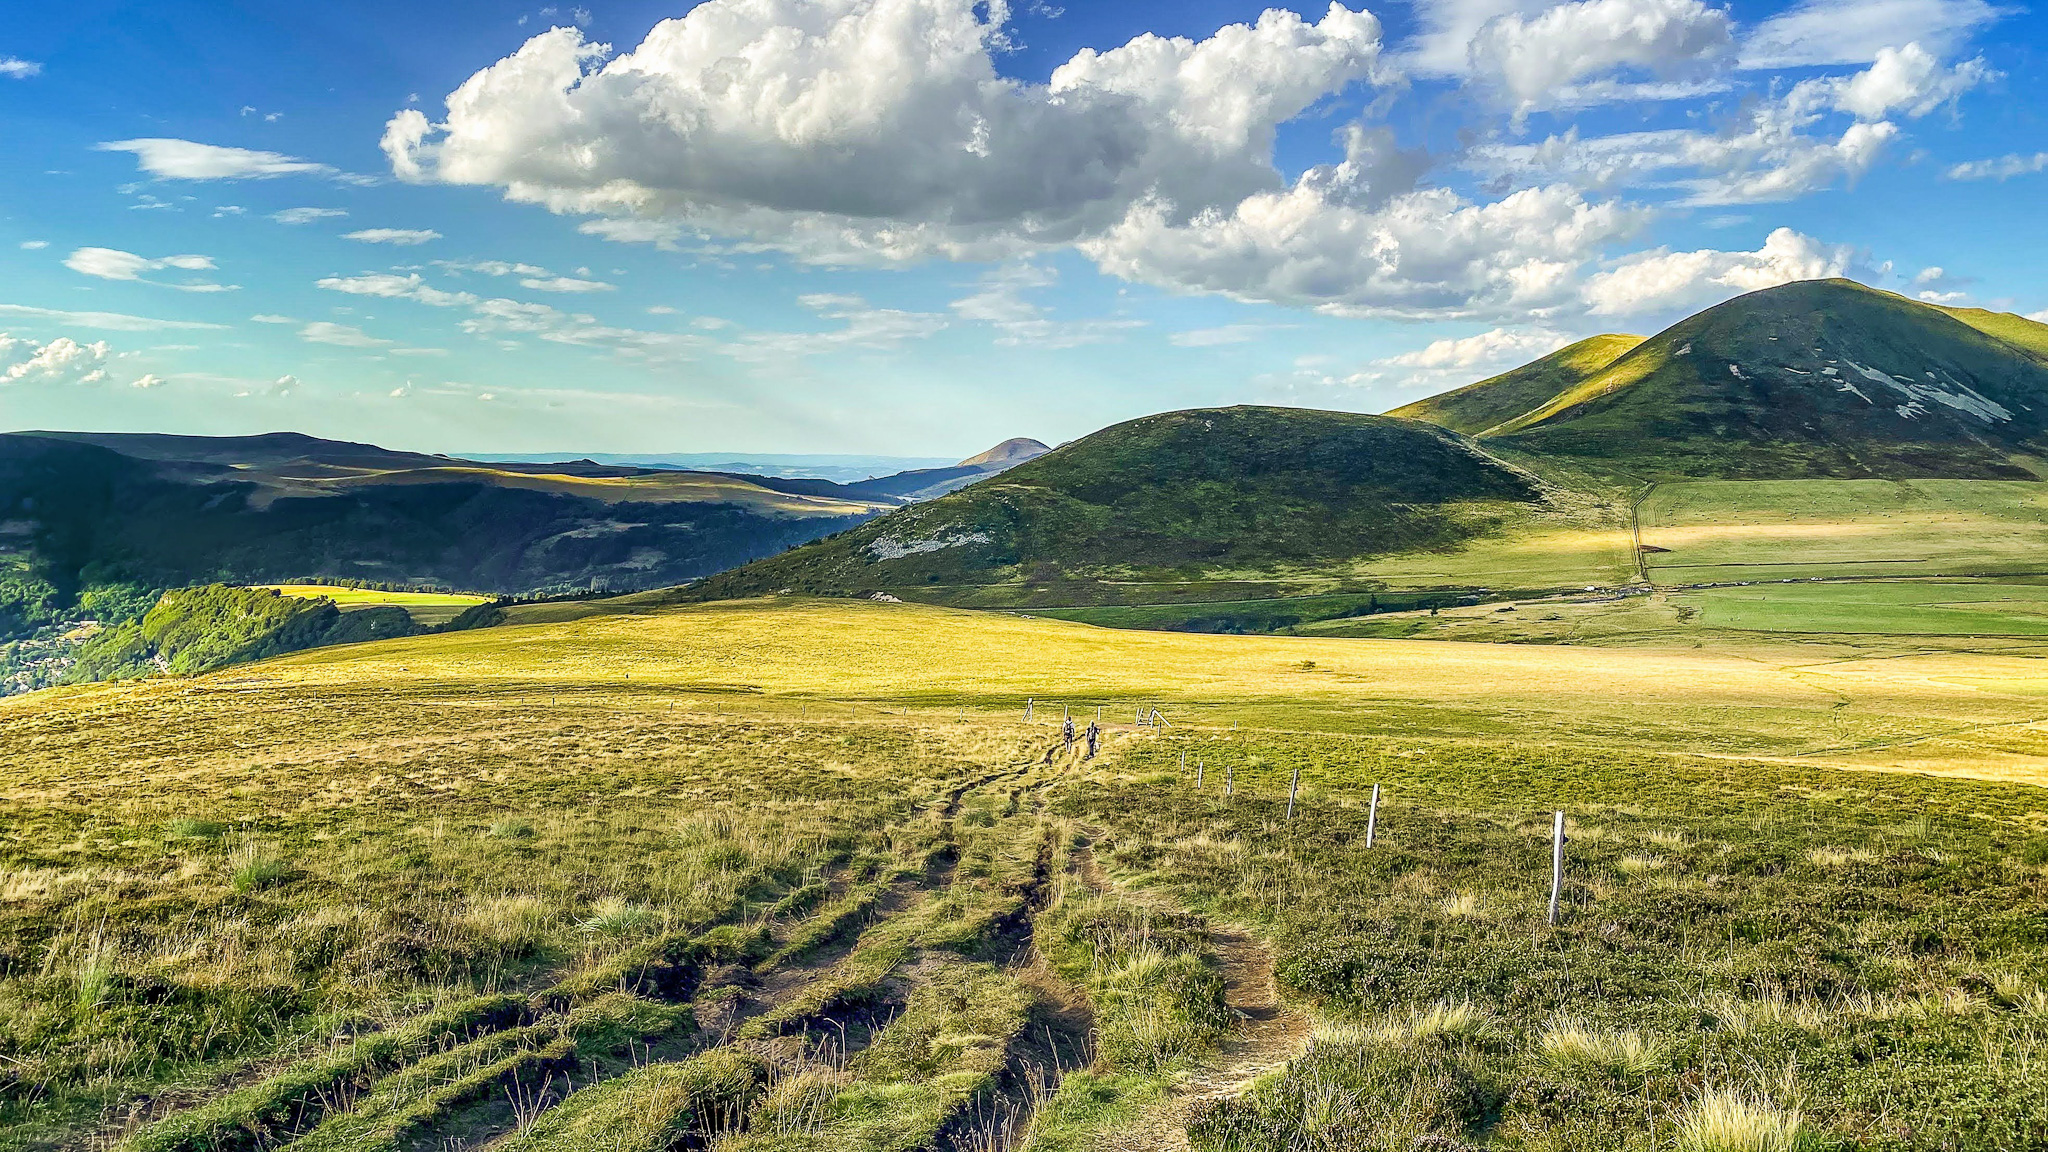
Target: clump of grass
[(1665, 838), (192, 828), (96, 979), (1451, 1019), (1839, 857), (2034, 853), (256, 873), (1567, 1045), (1636, 864), (512, 829), (1463, 906), (614, 919), (1771, 1010), (1725, 1121)]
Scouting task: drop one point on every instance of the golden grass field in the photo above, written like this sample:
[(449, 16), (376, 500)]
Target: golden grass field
[(1978, 714), (426, 608)]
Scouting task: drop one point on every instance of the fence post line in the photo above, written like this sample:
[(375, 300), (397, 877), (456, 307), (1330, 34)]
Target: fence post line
[(1293, 786), (1556, 864), (1372, 816)]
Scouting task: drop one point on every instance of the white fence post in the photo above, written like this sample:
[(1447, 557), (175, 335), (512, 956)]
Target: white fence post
[(1556, 864), (1372, 816)]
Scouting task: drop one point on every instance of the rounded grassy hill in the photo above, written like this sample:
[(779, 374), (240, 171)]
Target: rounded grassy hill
[(1192, 492)]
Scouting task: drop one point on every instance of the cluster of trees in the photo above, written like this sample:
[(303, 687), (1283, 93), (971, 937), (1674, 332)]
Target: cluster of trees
[(193, 630)]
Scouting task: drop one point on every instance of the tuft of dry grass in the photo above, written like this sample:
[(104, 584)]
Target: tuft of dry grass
[(1722, 1120), (1568, 1043)]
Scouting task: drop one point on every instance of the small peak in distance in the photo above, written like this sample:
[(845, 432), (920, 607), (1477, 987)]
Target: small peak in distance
[(1009, 452)]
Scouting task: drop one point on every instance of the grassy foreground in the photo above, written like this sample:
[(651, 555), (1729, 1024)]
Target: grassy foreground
[(796, 875)]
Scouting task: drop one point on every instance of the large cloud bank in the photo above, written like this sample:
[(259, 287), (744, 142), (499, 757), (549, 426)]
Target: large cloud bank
[(883, 131)]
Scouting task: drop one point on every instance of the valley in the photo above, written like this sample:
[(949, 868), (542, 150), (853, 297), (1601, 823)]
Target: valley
[(795, 857)]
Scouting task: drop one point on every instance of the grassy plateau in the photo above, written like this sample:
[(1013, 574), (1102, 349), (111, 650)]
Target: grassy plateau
[(425, 608), (801, 874)]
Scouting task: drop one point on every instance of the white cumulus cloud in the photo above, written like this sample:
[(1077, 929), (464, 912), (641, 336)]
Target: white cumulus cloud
[(401, 236), (1779, 149), (341, 335), (306, 215), (1424, 253), (881, 129), (61, 361), (1663, 281), (114, 264), (170, 159), (1500, 347), (564, 284), (1536, 61), (2000, 168), (15, 68)]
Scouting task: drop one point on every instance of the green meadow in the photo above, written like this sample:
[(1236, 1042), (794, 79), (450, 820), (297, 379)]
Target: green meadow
[(797, 874)]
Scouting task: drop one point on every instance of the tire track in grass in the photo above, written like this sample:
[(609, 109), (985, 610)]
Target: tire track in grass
[(1267, 1034)]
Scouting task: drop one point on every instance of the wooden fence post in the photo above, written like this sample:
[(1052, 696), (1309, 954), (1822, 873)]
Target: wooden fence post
[(1372, 816), (1293, 786), (1556, 864), (1198, 773), (1027, 709), (1229, 774)]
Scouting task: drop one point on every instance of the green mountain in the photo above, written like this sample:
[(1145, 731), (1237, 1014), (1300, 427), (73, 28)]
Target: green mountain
[(1823, 378), (1182, 498), (1475, 409), (2031, 335)]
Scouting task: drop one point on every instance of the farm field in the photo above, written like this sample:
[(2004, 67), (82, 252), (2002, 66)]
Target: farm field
[(2005, 613), (426, 608), (1726, 530), (798, 875), (1905, 607)]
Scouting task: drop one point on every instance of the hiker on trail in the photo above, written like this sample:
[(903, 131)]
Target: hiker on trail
[(1094, 735), (1067, 733)]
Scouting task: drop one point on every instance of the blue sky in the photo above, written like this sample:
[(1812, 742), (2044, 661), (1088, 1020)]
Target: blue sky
[(922, 226)]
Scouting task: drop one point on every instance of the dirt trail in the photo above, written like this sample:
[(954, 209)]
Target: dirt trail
[(1268, 1032)]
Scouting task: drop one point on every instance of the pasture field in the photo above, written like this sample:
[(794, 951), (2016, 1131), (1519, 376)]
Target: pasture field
[(1728, 530), (2008, 614), (798, 875), (427, 609), (1904, 607)]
